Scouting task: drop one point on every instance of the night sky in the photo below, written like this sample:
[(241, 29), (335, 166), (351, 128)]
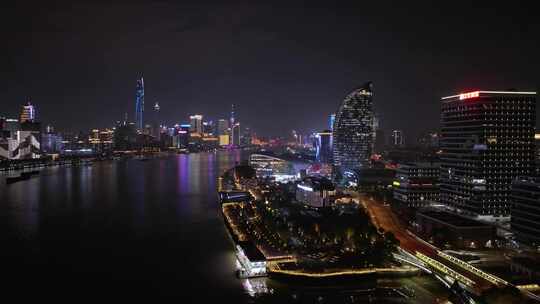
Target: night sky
[(284, 67)]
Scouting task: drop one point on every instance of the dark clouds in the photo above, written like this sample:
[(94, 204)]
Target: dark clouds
[(284, 67)]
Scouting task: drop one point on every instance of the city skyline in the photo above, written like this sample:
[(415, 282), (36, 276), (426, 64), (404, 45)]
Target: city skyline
[(306, 66)]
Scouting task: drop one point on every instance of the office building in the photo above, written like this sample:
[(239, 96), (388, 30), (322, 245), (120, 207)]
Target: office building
[(139, 105), (223, 127), (397, 138), (316, 192), (323, 148), (447, 229), (235, 134), (331, 120), (196, 122), (525, 220), (354, 130), (156, 121), (181, 137), (417, 184), (28, 113), (486, 141), (208, 128), (232, 123), (51, 142), (246, 137)]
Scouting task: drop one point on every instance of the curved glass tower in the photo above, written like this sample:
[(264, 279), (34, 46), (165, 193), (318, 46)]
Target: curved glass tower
[(139, 104), (353, 133)]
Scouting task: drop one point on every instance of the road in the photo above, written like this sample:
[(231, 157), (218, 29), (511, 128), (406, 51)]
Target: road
[(383, 217)]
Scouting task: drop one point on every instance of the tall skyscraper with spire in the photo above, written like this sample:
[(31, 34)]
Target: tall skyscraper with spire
[(232, 125), (139, 104)]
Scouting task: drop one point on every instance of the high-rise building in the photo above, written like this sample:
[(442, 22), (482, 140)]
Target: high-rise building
[(397, 138), (354, 130), (232, 126), (28, 113), (537, 144), (208, 128), (51, 142), (486, 141), (246, 137), (222, 127), (196, 122), (181, 136), (525, 221), (323, 147), (416, 184), (235, 134), (331, 120), (139, 104), (156, 121)]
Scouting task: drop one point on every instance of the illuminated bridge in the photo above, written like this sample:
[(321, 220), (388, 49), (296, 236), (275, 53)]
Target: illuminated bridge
[(423, 255), (234, 196)]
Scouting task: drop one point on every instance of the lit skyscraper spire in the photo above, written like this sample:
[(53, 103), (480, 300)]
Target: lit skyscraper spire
[(139, 104), (232, 114), (232, 125)]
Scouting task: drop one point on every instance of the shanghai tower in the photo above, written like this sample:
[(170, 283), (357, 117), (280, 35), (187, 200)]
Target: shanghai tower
[(353, 132), (139, 104)]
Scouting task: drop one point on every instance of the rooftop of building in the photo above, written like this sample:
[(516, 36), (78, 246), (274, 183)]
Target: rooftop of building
[(452, 219), (527, 262), (251, 251), (475, 94), (318, 183)]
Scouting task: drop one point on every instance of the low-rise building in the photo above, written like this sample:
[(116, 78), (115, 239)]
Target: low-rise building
[(250, 260), (448, 229), (316, 192)]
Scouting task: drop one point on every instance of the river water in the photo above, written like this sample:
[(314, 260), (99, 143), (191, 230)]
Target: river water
[(129, 230)]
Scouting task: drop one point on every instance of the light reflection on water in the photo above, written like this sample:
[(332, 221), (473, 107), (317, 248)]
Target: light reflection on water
[(120, 226)]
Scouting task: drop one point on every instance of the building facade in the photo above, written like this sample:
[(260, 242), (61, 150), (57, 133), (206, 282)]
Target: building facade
[(316, 192), (196, 122), (525, 220), (397, 138), (353, 132), (486, 141), (417, 184), (323, 146), (139, 104), (28, 113)]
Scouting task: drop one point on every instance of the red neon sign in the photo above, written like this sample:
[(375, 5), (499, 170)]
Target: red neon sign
[(469, 95)]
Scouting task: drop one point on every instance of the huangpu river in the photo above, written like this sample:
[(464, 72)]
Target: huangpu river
[(130, 230)]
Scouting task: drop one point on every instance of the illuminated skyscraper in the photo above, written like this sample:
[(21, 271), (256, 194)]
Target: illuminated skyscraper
[(156, 123), (232, 124), (139, 104), (486, 141), (331, 120), (323, 146), (222, 127), (196, 122), (353, 134), (28, 113)]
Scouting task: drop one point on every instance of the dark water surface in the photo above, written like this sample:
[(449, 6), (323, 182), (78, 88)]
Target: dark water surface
[(119, 230)]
